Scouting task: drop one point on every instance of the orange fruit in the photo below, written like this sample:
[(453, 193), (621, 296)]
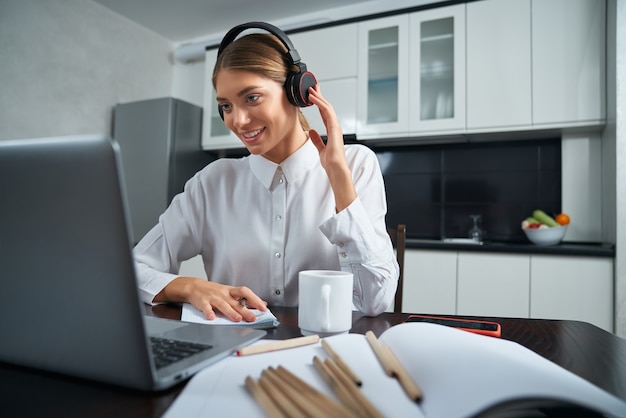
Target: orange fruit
[(562, 219)]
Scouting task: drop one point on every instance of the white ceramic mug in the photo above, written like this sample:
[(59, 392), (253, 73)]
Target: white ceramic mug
[(324, 302)]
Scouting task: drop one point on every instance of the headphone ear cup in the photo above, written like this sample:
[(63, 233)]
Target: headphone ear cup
[(297, 88)]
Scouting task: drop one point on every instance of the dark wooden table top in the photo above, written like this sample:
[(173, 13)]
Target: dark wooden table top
[(584, 349)]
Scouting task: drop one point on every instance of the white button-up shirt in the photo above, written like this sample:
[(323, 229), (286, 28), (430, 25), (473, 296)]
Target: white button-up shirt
[(256, 223)]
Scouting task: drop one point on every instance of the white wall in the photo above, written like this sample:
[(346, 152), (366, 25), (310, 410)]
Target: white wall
[(189, 82), (64, 64)]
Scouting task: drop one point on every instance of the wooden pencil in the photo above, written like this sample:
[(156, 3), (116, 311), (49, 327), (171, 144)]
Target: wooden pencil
[(407, 383), (394, 368), (303, 404), (366, 408), (339, 390), (382, 356), (341, 363), (278, 345), (263, 399), (328, 405), (283, 401)]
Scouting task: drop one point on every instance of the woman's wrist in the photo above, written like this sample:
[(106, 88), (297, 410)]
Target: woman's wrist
[(178, 290), (343, 188)]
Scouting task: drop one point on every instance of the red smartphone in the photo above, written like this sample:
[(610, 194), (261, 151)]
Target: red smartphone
[(491, 329)]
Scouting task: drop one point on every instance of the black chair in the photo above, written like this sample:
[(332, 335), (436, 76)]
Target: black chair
[(398, 238)]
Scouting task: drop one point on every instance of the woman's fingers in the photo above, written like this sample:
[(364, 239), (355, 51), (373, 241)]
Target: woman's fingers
[(317, 140), (212, 297)]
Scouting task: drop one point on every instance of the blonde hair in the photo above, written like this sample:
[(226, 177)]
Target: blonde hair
[(262, 54)]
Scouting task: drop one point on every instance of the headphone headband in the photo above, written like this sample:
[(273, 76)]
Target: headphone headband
[(231, 35), (298, 82)]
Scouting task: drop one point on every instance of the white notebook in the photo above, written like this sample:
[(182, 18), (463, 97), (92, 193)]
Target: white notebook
[(461, 375)]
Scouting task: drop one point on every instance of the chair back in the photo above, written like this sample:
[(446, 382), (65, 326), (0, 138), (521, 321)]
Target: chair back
[(398, 238)]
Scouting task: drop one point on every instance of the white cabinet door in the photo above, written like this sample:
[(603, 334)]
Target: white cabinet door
[(437, 70), (573, 288), (335, 70), (341, 94), (429, 282), (498, 64), (568, 45), (493, 285), (383, 68), (215, 134), (329, 53)]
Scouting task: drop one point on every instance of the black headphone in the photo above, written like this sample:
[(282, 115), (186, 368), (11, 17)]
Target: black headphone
[(297, 83)]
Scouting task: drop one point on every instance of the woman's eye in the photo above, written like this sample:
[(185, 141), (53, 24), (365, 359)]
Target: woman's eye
[(225, 107), (252, 98)]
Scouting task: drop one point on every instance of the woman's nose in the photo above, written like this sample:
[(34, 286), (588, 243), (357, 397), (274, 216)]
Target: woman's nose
[(240, 117)]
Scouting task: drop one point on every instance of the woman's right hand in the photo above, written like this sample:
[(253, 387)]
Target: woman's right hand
[(210, 296)]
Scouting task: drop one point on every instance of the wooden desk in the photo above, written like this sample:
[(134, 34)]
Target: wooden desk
[(582, 348)]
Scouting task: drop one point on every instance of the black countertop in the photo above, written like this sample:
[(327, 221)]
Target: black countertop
[(564, 248)]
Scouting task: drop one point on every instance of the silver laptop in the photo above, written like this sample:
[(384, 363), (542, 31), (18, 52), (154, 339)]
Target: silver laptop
[(70, 302)]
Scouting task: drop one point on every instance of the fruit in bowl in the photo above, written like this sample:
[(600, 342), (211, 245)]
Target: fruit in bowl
[(542, 229)]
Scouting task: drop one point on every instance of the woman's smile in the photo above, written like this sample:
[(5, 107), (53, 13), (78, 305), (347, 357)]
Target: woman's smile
[(252, 136)]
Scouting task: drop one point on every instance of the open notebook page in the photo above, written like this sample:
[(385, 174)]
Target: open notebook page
[(460, 374)]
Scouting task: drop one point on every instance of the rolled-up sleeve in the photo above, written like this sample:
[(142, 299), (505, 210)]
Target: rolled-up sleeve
[(364, 248), (173, 239)]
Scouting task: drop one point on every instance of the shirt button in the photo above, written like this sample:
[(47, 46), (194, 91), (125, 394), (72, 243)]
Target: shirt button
[(344, 255), (280, 181), (277, 255), (278, 217), (277, 291), (341, 245)]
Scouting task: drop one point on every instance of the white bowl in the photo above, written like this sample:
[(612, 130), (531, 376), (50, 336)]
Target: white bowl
[(546, 236)]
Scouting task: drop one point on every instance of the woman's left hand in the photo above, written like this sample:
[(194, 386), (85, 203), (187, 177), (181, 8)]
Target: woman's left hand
[(332, 154)]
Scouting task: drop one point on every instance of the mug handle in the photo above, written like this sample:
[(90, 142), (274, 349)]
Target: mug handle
[(326, 303)]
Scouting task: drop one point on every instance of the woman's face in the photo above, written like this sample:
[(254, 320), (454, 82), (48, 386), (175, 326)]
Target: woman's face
[(256, 109)]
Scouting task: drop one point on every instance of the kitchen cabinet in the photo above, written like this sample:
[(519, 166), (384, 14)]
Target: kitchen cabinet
[(383, 77), (578, 288), (215, 134), (341, 93), (510, 285), (411, 74), (478, 67), (498, 64), (535, 64), (437, 70), (335, 70), (430, 282), (493, 284), (568, 48), (324, 62)]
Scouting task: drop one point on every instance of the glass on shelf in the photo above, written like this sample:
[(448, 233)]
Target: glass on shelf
[(437, 69), (475, 232), (382, 88)]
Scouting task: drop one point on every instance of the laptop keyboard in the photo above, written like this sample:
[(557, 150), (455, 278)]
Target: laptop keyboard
[(168, 351)]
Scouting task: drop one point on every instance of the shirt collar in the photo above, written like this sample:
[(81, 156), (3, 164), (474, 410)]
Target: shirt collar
[(294, 167)]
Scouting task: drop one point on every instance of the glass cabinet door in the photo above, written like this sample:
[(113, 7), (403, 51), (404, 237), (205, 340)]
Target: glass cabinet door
[(437, 83), (382, 78)]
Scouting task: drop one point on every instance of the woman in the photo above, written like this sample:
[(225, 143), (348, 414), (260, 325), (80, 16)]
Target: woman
[(294, 204)]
